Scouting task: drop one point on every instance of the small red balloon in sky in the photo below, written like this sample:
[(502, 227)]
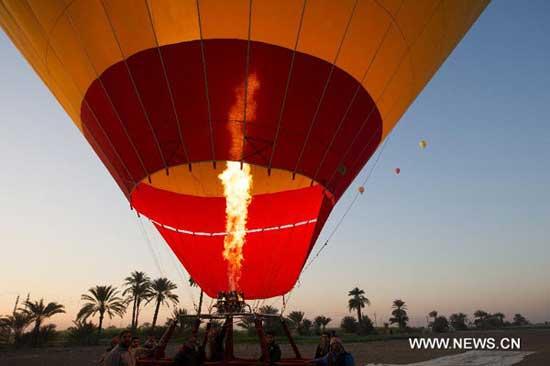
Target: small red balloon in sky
[(397, 171)]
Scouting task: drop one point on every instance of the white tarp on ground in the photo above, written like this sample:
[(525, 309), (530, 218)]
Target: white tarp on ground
[(471, 358)]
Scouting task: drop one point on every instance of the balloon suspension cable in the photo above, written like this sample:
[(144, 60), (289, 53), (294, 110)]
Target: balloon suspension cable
[(179, 270), (156, 258), (211, 306), (149, 245), (256, 305), (284, 306), (188, 288), (184, 280), (344, 215)]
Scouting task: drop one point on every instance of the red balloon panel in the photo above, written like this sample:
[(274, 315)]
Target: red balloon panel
[(282, 228)]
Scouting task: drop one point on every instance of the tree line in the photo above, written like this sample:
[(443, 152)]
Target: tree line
[(100, 301), (25, 326), (482, 320)]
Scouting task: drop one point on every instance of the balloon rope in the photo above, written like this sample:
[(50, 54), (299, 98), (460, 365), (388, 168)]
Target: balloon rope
[(157, 257), (179, 270), (149, 245), (348, 209), (284, 306), (377, 158), (402, 58), (350, 206)]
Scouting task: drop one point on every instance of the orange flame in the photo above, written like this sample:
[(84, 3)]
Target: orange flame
[(237, 183), (236, 113)]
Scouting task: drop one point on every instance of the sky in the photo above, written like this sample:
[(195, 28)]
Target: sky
[(463, 227)]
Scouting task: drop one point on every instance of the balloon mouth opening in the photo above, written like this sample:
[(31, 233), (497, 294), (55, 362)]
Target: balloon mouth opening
[(201, 179)]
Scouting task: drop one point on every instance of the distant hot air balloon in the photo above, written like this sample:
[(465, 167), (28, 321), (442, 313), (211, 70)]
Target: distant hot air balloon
[(361, 189), (423, 144), (235, 126), (397, 171)]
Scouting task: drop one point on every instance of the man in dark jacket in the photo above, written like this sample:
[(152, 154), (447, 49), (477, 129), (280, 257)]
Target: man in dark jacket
[(215, 348), (190, 354), (120, 355), (336, 357), (273, 349), (324, 346)]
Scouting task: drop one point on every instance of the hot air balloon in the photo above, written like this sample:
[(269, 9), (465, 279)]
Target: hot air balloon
[(397, 171), (194, 104), (361, 189), (423, 144)]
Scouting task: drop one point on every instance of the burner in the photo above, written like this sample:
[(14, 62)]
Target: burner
[(230, 302)]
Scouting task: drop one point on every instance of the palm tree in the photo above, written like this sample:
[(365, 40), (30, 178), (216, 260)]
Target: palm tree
[(137, 288), (357, 302), (178, 315), (481, 314), (295, 318), (399, 313), (321, 322), (16, 324), (520, 320), (192, 283), (161, 292), (306, 326), (458, 321), (270, 323), (480, 318), (268, 310), (181, 318), (101, 300), (499, 319), (247, 323), (432, 314), (37, 312)]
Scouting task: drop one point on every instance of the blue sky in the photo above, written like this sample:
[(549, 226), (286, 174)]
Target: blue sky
[(464, 226)]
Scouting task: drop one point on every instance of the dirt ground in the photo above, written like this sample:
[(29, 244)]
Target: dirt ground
[(392, 351)]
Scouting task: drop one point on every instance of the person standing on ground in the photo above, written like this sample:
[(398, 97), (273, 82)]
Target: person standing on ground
[(273, 349), (215, 348), (190, 354), (120, 355), (114, 343), (336, 357), (324, 346)]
